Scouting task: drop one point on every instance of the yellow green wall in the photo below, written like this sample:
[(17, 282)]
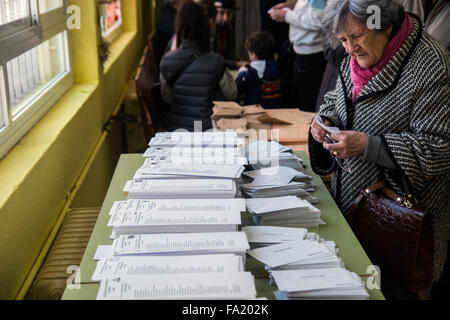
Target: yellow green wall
[(38, 175)]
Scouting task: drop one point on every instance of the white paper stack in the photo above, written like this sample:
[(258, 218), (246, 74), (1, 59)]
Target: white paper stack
[(300, 254), (278, 182), (321, 284), (175, 216), (287, 211), (166, 266), (197, 155), (196, 139), (229, 286), (161, 169), (181, 189), (265, 148), (261, 236), (263, 154), (182, 244)]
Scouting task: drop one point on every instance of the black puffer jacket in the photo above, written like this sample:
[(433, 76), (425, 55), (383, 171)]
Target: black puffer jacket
[(194, 78)]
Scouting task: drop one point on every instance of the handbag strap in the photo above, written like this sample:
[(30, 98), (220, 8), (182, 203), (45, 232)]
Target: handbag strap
[(381, 186)]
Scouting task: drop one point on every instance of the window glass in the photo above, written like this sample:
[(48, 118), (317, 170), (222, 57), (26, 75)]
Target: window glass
[(13, 10), (35, 71), (48, 5)]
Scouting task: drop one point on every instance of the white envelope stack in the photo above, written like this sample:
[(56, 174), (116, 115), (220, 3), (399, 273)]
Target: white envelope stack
[(287, 211), (319, 284), (302, 264), (278, 182), (263, 154)]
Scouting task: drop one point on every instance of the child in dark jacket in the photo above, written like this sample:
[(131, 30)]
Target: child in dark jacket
[(259, 82)]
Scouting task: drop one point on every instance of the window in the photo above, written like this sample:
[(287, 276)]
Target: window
[(35, 68), (110, 19)]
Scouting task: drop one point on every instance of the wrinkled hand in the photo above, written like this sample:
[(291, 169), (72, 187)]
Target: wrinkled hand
[(278, 15), (317, 131), (349, 144)]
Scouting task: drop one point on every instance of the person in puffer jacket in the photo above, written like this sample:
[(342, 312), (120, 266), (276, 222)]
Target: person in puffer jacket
[(192, 76), (259, 82)]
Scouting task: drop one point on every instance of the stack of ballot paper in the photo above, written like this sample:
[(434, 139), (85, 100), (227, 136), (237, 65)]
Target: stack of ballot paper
[(175, 216), (277, 182), (320, 284), (263, 154), (181, 189), (299, 254), (121, 267), (287, 211), (178, 244), (217, 139), (158, 169), (261, 236), (210, 286), (197, 155)]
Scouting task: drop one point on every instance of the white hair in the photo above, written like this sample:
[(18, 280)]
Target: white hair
[(336, 12)]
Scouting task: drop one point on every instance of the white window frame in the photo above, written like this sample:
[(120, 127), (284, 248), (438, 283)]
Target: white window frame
[(40, 29), (113, 33)]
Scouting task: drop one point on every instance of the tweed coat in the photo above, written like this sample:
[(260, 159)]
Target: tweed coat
[(408, 105)]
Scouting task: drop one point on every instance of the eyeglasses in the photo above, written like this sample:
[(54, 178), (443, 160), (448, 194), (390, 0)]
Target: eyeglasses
[(344, 164)]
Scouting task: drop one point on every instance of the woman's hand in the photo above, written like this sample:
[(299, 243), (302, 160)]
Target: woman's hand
[(317, 131), (349, 144)]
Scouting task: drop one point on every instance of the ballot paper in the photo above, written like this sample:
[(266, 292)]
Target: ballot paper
[(216, 156), (312, 263), (177, 217), (217, 139), (268, 205), (181, 189), (229, 286), (344, 164), (330, 130), (333, 283), (168, 206), (273, 235), (265, 176), (263, 148), (289, 252), (182, 244), (282, 160), (277, 182), (291, 189), (168, 153), (223, 161), (284, 212), (159, 169), (145, 266), (328, 261)]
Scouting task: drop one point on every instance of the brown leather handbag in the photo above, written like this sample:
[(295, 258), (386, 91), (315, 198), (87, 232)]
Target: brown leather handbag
[(396, 234)]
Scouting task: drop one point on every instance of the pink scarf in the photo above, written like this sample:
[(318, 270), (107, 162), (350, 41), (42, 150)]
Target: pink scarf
[(360, 76)]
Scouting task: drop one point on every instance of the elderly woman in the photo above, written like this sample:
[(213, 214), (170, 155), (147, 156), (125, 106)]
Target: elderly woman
[(391, 104)]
